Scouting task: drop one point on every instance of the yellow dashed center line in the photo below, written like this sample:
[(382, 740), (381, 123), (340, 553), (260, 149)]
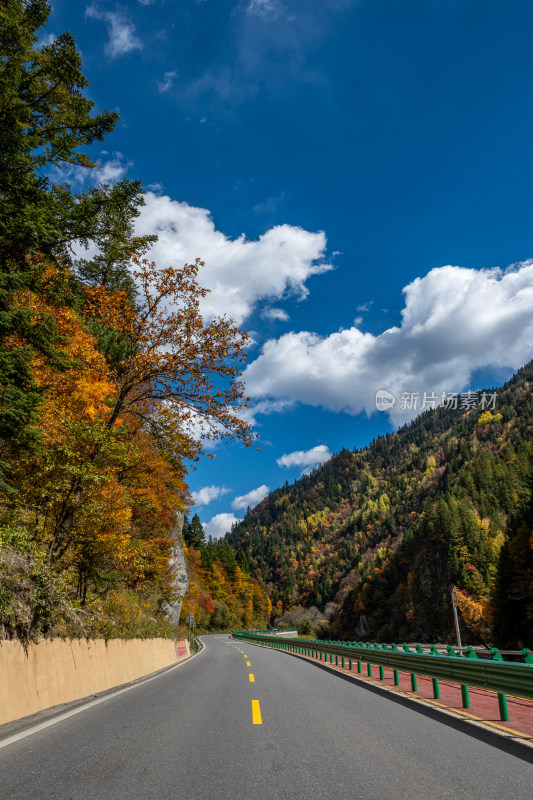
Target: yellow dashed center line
[(252, 679), (248, 664), (256, 713)]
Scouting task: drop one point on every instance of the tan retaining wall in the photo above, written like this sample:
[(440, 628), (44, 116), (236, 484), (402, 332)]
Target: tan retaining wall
[(53, 672)]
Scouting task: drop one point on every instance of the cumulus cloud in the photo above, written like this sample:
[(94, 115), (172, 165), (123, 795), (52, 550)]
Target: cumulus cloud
[(455, 321), (122, 38), (219, 525), (308, 459), (238, 272), (166, 84), (251, 499), (274, 314), (207, 494)]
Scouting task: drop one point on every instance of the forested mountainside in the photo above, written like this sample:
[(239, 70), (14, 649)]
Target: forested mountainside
[(381, 535), (222, 594)]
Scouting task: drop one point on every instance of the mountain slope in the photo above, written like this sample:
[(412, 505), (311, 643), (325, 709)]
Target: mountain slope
[(383, 533)]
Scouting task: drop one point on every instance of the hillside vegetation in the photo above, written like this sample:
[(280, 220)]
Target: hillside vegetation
[(222, 594), (104, 361), (377, 537)]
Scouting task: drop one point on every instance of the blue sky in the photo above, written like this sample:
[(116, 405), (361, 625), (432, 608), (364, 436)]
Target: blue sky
[(357, 175)]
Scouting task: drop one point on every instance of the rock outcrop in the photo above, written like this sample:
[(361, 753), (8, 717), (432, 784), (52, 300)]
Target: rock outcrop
[(178, 566)]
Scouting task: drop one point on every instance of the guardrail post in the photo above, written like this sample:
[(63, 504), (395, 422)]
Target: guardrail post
[(414, 683), (369, 669), (465, 693), (381, 673), (350, 663), (502, 698), (435, 681), (395, 672), (359, 667), (502, 706), (343, 663)]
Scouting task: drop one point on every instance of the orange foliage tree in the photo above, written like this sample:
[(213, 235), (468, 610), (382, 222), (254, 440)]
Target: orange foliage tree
[(172, 375), (120, 516), (177, 371)]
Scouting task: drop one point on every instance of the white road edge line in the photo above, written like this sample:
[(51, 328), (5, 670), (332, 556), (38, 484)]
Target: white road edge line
[(42, 725)]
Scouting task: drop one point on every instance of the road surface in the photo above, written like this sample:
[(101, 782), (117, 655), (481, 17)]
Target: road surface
[(207, 730)]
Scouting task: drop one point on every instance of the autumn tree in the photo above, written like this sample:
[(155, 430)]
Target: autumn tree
[(179, 373), (122, 514), (178, 376)]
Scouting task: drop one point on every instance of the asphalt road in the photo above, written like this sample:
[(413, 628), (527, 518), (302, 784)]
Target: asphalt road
[(194, 732)]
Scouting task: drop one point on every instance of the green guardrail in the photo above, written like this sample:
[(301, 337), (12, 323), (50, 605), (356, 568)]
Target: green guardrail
[(273, 631), (494, 673)]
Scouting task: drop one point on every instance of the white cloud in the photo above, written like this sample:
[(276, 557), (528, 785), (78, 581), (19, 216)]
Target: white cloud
[(251, 499), (274, 314), (274, 45), (207, 494), (270, 205), (264, 407), (238, 272), (357, 321), (305, 458), (455, 321), (46, 40), (264, 8), (110, 171), (166, 84), (219, 525), (122, 38)]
